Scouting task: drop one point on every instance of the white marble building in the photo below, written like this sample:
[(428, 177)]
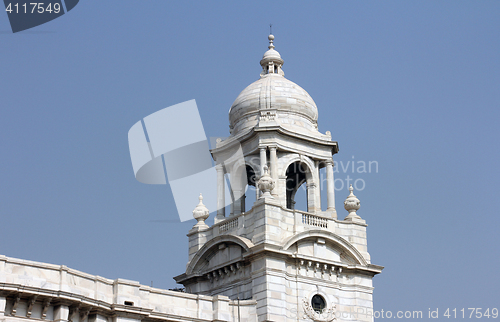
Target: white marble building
[(270, 263)]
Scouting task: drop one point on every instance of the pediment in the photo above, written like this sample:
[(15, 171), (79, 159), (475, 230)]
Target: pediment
[(324, 245), (322, 249), (217, 252), (219, 255)]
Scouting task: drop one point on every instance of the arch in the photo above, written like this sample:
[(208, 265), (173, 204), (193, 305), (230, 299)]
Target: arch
[(295, 158), (237, 173), (242, 174), (334, 238), (243, 242), (299, 170), (296, 176)]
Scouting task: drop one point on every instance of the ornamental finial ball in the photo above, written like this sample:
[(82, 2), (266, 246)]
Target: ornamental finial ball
[(270, 37), (201, 213), (266, 184), (352, 204)]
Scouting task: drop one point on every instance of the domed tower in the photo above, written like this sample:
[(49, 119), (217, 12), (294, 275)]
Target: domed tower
[(296, 264), (275, 122), (274, 97)]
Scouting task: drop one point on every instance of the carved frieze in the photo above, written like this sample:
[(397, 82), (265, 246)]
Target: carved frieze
[(225, 272), (318, 269)]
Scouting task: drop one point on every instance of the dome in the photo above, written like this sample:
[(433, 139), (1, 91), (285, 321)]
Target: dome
[(273, 91), (271, 53), (290, 103)]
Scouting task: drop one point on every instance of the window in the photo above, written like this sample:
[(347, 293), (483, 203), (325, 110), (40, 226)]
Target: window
[(318, 303)]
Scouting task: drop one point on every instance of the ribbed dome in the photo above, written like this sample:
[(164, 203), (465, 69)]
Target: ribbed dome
[(273, 92)]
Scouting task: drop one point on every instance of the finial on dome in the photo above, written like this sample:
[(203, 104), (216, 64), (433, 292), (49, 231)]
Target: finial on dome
[(271, 61), (271, 38)]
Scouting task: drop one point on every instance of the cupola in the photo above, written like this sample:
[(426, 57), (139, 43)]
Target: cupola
[(275, 96)]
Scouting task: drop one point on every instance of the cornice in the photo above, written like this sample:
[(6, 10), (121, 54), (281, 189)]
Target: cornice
[(248, 134)]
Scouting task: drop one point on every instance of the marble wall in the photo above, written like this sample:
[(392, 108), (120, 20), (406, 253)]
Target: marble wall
[(39, 291)]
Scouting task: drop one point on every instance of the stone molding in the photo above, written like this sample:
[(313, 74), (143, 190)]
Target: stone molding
[(225, 270), (245, 243), (288, 134), (334, 238), (82, 295)]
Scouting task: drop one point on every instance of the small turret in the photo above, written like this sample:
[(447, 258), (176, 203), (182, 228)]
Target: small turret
[(271, 61)]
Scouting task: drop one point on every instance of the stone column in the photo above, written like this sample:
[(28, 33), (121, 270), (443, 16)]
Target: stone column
[(274, 168), (263, 160), (237, 202), (311, 199), (330, 187), (221, 207), (318, 186)]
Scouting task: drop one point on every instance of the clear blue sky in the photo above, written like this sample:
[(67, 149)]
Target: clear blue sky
[(414, 86)]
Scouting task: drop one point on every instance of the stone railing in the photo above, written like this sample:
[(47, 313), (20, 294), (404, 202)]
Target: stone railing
[(228, 225), (313, 220)]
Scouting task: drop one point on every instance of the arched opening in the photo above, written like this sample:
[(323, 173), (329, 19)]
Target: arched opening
[(250, 192), (243, 194), (295, 178)]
